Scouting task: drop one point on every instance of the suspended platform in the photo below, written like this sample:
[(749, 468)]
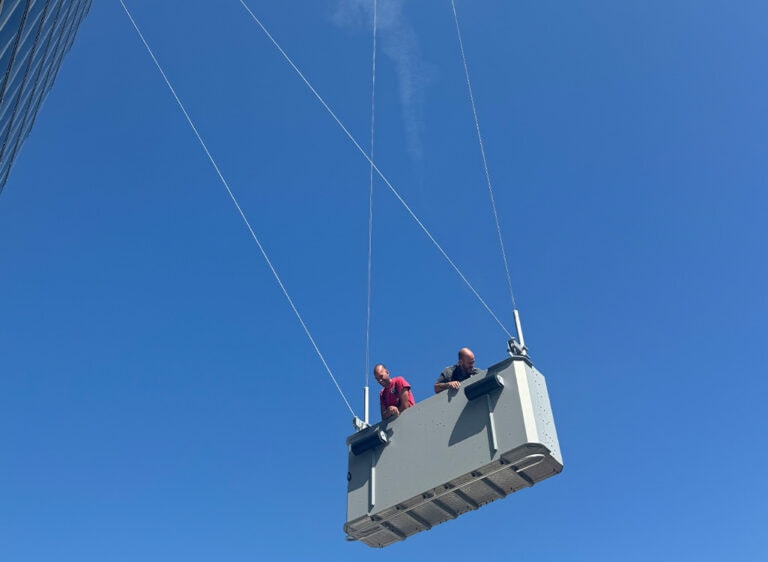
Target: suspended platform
[(451, 453)]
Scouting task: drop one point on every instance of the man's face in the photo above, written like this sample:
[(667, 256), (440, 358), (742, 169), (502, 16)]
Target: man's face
[(381, 374), (467, 362)]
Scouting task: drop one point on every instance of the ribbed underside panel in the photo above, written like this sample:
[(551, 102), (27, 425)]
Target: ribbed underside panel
[(465, 493)]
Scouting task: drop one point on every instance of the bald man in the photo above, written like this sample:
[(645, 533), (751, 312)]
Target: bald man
[(396, 396), (452, 376)]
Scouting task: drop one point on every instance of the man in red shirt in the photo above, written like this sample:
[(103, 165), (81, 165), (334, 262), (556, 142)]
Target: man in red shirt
[(396, 395)]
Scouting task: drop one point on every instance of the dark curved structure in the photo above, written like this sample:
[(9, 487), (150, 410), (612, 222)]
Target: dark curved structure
[(34, 37)]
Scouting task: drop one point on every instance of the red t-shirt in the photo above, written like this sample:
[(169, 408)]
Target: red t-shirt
[(390, 396)]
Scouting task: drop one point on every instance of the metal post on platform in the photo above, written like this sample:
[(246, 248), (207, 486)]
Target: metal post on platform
[(519, 327)]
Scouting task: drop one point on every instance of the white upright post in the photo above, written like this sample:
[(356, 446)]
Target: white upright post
[(519, 327)]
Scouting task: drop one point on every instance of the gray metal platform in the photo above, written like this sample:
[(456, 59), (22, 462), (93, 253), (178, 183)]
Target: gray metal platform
[(449, 454)]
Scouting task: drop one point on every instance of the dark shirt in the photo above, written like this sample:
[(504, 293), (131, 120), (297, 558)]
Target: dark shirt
[(456, 373)]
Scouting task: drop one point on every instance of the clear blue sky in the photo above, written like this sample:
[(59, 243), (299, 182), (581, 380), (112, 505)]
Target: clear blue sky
[(159, 400)]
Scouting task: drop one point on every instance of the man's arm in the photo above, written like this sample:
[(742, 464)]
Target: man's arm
[(444, 381), (405, 402), (389, 412), (441, 386)]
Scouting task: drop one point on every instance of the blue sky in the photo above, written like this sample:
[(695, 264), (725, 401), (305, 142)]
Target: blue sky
[(160, 401)]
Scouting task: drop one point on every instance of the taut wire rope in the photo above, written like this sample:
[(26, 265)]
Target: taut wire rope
[(482, 153), (237, 205), (370, 204), (375, 168)]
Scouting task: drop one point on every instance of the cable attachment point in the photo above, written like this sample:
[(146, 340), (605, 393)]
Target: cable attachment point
[(359, 424), (515, 349)]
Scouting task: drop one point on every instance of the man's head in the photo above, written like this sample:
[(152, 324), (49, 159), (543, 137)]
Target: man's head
[(381, 374), (466, 359)]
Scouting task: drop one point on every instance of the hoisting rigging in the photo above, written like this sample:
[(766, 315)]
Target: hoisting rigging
[(493, 437), (459, 450)]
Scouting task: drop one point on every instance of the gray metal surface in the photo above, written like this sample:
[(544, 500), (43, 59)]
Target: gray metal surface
[(449, 455)]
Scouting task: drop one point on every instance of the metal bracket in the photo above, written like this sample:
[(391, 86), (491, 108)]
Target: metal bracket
[(359, 424), (515, 349)]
